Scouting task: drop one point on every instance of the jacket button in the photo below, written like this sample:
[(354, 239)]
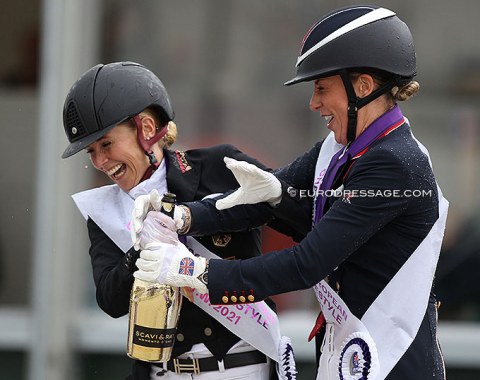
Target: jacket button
[(233, 299), (225, 299), (180, 337), (242, 299), (207, 331), (251, 298)]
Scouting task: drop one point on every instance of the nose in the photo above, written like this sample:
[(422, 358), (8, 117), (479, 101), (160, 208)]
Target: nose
[(315, 102), (99, 159)]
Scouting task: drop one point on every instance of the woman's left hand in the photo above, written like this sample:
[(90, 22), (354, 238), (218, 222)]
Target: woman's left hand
[(143, 204), (256, 185), (157, 228)]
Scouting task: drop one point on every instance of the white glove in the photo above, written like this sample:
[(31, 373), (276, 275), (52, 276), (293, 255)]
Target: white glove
[(142, 206), (256, 185), (157, 229), (172, 265)]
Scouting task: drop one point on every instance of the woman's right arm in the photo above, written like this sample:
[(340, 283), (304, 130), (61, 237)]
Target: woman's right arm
[(292, 216), (112, 272)]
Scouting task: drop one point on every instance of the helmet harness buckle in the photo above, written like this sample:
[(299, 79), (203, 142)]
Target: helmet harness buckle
[(147, 144)]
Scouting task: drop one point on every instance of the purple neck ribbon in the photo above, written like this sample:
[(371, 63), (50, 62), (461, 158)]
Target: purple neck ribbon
[(372, 133)]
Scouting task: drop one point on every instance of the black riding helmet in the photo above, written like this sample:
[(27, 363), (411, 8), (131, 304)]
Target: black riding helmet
[(358, 39), (107, 95)]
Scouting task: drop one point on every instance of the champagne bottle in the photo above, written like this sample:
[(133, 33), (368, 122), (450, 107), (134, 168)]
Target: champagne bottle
[(154, 312)]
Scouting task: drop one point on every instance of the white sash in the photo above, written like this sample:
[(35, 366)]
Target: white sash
[(327, 151), (110, 208), (255, 323), (395, 316)]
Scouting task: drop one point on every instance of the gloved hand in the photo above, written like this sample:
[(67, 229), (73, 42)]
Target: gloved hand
[(157, 229), (142, 206), (172, 265), (256, 185)]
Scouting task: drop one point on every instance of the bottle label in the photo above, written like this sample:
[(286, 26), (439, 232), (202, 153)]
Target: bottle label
[(151, 337)]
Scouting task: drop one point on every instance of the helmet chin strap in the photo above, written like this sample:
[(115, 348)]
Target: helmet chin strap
[(147, 144), (355, 103)]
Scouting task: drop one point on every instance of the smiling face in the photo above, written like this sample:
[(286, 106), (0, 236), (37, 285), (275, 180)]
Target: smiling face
[(330, 99), (119, 156)]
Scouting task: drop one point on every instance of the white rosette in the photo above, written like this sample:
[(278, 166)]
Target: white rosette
[(286, 369), (358, 358)]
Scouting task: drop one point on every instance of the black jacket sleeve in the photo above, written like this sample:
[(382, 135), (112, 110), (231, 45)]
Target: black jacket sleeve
[(112, 272), (292, 216)]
